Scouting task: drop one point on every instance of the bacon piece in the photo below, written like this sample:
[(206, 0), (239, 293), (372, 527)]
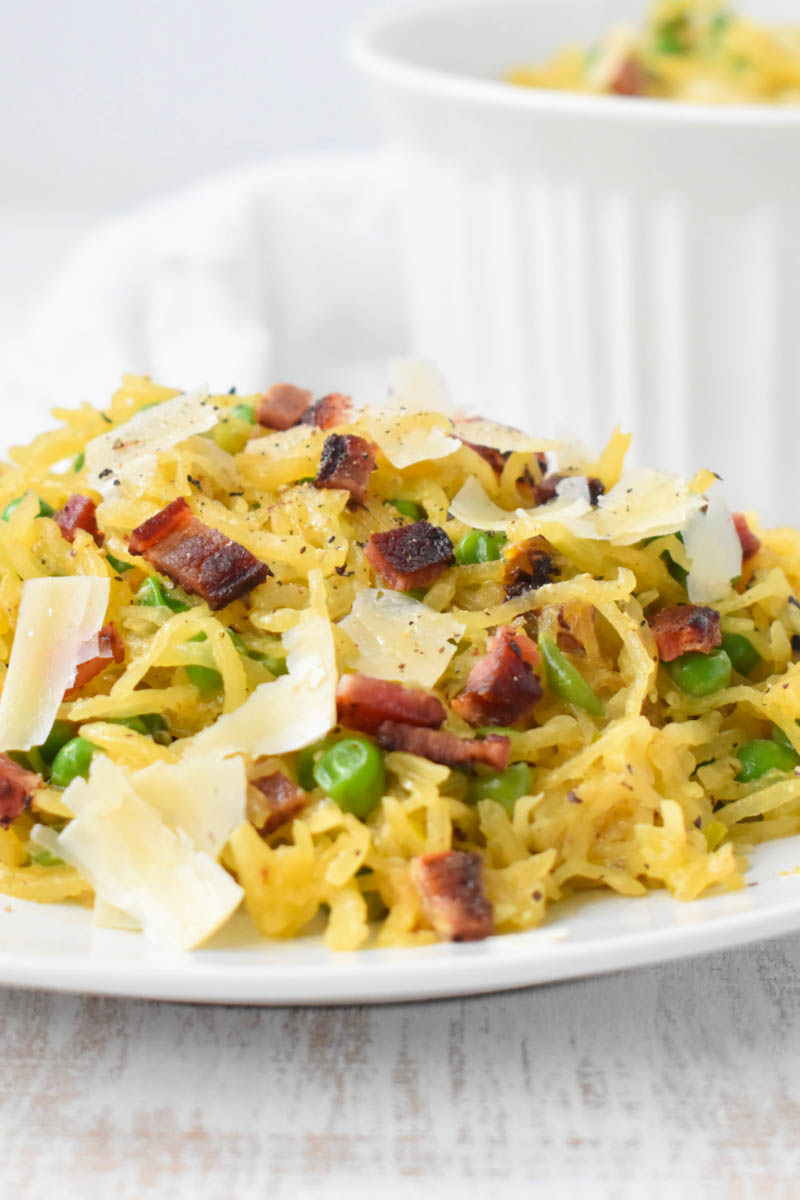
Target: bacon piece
[(530, 566), (630, 79), (365, 703), (347, 461), (547, 488), (502, 687), (78, 513), (410, 556), (17, 786), (329, 411), (685, 627), (279, 801), (749, 542), (283, 406), (110, 648), (199, 559), (450, 886), (495, 458), (440, 746)]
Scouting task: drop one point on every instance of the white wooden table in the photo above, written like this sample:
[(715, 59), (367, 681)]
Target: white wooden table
[(680, 1080)]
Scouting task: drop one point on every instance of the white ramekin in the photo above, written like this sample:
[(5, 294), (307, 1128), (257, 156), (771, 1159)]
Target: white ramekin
[(577, 261)]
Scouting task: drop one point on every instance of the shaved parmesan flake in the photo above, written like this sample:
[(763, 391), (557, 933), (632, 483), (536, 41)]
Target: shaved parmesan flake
[(205, 797), (127, 455), (398, 638), (292, 711), (406, 439), (713, 546), (120, 844), (500, 437), (645, 503), (471, 506), (58, 622), (416, 385), (296, 442), (108, 916)]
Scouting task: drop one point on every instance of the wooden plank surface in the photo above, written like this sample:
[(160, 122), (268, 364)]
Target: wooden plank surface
[(681, 1080)]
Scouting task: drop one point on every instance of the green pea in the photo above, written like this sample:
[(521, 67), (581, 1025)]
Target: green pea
[(119, 566), (504, 787), (700, 674), (231, 434), (566, 681), (80, 459), (417, 594), (306, 760), (237, 641), (61, 733), (72, 760), (407, 508), (44, 508), (479, 547), (741, 651), (134, 723), (352, 772), (152, 593), (715, 833), (244, 412), (758, 757)]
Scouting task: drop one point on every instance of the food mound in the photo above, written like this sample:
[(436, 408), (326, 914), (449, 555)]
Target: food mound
[(388, 674), (697, 51)]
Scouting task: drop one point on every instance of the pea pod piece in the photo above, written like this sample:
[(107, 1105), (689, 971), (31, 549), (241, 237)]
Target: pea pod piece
[(152, 593), (61, 733), (566, 681), (44, 508), (352, 772), (479, 547), (699, 674), (117, 564), (504, 787), (72, 760), (741, 651), (407, 508), (78, 462), (207, 680), (758, 757), (42, 857), (244, 412)]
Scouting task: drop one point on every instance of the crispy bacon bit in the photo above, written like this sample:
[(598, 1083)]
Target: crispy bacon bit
[(450, 886), (16, 789), (199, 559), (347, 461), (531, 565), (630, 79), (365, 703), (495, 458), (109, 648), (547, 488), (410, 556), (502, 687), (279, 801), (750, 543), (283, 406), (440, 746), (330, 411), (78, 513), (685, 627)]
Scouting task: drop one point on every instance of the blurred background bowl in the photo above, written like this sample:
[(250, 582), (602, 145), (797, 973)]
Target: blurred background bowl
[(575, 261)]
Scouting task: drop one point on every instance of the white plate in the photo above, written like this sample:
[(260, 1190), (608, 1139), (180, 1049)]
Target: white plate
[(58, 947)]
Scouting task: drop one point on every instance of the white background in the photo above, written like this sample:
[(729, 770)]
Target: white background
[(105, 102)]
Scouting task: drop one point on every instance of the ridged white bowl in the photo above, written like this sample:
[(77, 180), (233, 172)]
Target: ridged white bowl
[(577, 261)]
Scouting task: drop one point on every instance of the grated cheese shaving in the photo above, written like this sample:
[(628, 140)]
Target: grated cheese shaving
[(400, 639), (713, 546), (121, 845), (205, 797), (499, 437), (417, 386), (58, 622), (127, 456)]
